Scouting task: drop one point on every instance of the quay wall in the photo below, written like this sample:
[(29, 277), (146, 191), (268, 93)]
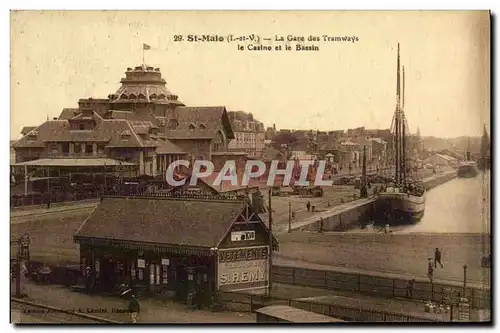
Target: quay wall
[(355, 217)]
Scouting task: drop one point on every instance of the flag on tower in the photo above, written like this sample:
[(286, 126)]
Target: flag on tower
[(146, 47)]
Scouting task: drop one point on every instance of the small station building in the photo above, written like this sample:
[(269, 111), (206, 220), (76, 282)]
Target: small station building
[(173, 244)]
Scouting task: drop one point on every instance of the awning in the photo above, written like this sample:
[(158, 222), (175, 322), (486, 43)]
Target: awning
[(74, 162)]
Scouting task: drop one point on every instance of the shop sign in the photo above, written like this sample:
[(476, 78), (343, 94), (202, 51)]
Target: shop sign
[(243, 265), (243, 254), (141, 263)]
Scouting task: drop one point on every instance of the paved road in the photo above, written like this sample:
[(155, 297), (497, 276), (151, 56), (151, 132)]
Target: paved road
[(152, 310)]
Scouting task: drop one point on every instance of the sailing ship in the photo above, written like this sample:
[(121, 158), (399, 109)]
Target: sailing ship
[(402, 200), (468, 168)]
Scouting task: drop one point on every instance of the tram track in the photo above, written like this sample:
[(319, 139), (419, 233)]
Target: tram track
[(27, 312)]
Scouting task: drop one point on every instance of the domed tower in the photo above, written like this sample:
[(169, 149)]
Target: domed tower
[(143, 88)]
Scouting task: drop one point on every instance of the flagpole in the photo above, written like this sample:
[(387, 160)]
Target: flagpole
[(143, 62)]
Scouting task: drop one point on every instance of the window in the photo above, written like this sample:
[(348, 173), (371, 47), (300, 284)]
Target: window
[(173, 124), (202, 126), (77, 148), (81, 126), (191, 127)]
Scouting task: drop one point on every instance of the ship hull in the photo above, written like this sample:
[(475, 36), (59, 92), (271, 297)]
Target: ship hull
[(468, 171), (399, 208)]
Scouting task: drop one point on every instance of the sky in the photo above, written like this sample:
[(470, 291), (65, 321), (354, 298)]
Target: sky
[(58, 57)]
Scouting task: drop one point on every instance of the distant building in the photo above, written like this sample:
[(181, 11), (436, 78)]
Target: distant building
[(441, 160), (249, 133)]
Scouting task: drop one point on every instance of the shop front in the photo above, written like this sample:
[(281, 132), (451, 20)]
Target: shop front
[(186, 248)]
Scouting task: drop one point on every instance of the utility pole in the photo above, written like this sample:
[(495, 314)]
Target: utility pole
[(289, 216), (270, 261), (465, 282)]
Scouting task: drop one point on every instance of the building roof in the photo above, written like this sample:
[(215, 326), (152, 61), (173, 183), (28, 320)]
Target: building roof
[(162, 220), (295, 315), (26, 129), (226, 186), (198, 122), (68, 113), (446, 157), (84, 162), (378, 140), (144, 84), (168, 147)]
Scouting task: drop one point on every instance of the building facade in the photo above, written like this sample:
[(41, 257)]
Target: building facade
[(249, 133)]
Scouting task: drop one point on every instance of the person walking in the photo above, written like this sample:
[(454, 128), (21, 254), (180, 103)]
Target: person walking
[(134, 309), (308, 206), (437, 258), (430, 270), (409, 288)]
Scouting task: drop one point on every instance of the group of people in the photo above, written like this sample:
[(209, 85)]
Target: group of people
[(431, 266)]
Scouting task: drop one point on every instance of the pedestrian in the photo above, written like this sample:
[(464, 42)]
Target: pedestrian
[(134, 309), (308, 206), (437, 258), (430, 270), (87, 278), (409, 288)]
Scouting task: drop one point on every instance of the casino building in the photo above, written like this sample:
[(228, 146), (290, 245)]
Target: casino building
[(142, 127)]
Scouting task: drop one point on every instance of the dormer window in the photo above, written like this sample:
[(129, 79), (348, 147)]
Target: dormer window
[(132, 96), (141, 96), (161, 96), (202, 126), (125, 135), (152, 96), (123, 96), (191, 127)]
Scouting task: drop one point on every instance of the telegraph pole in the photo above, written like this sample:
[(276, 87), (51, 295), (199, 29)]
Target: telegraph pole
[(270, 261)]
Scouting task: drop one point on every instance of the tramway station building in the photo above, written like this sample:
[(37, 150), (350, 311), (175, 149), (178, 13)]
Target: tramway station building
[(189, 246)]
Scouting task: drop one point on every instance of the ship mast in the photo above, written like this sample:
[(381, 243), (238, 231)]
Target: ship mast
[(403, 135), (397, 123)]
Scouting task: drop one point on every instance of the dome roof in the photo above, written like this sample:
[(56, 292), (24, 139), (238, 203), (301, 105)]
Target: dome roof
[(144, 84)]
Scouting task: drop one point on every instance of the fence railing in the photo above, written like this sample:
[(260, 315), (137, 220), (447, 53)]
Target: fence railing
[(381, 286), (44, 199), (233, 301)]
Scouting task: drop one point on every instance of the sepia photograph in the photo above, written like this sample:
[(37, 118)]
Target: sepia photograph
[(250, 167)]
